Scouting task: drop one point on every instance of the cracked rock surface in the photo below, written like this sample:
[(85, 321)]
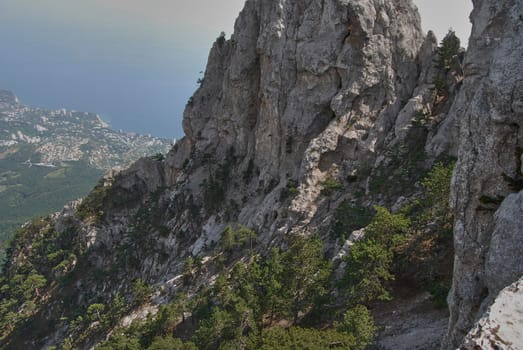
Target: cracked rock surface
[(490, 113)]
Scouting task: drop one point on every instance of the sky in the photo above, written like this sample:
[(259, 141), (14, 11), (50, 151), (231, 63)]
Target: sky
[(134, 62)]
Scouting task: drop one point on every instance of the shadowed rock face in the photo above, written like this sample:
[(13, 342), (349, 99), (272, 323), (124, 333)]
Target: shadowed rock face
[(490, 112)]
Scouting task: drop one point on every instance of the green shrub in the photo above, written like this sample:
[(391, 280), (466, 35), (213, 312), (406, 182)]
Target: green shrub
[(448, 48), (330, 185), (290, 190), (158, 157), (436, 187), (170, 343), (439, 293), (359, 322), (141, 292), (300, 338), (305, 274), (213, 330), (120, 341), (348, 218), (93, 204), (370, 260), (237, 238), (96, 312)]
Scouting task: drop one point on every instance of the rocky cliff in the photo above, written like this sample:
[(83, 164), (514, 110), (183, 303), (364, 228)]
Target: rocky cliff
[(309, 107), (302, 93), (487, 183)]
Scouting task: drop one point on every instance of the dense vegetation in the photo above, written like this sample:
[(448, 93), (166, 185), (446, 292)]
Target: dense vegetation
[(44, 257), (286, 298), (270, 302), (414, 244)]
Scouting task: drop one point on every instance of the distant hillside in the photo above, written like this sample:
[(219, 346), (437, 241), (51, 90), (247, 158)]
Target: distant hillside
[(48, 158)]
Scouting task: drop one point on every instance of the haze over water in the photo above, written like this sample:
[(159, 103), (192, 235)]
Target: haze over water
[(134, 62)]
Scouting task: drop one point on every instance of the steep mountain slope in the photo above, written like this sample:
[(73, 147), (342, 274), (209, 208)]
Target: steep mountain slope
[(488, 180), (308, 116), (300, 94), (48, 158)]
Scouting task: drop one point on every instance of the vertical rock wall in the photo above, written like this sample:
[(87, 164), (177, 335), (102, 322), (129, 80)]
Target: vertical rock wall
[(303, 90), (487, 181)]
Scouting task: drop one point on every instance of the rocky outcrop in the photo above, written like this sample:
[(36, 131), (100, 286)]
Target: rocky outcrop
[(488, 175), (500, 327), (303, 92)]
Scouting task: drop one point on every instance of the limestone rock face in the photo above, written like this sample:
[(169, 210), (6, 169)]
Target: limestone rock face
[(500, 327), (488, 217), (302, 92), (305, 91)]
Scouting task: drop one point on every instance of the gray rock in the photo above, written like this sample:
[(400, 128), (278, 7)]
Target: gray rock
[(304, 91), (489, 133), (504, 264), (500, 327)]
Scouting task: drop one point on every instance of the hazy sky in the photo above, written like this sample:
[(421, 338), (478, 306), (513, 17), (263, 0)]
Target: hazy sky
[(441, 15), (135, 62)]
